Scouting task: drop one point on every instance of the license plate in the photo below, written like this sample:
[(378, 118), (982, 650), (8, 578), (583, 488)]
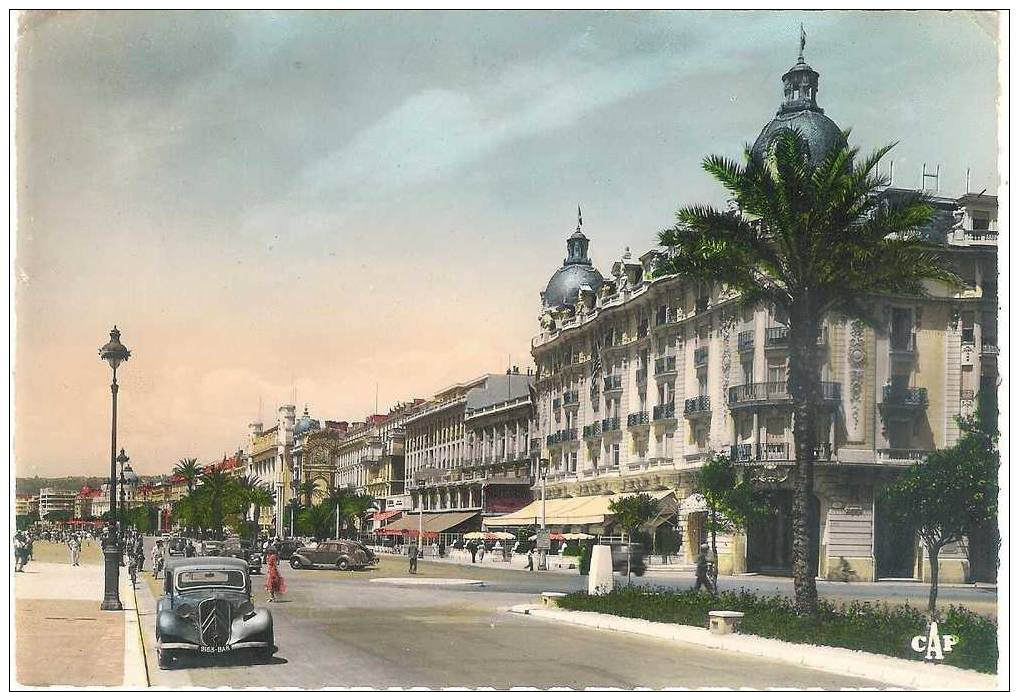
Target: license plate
[(214, 649)]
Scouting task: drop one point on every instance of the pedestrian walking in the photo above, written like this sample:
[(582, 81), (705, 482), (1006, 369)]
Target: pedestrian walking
[(19, 552), (530, 560), (157, 559), (481, 552), (274, 583), (412, 552), (74, 547), (703, 570), (472, 546)]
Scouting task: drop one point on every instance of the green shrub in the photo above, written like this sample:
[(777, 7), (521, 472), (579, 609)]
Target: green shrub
[(878, 629), (573, 550), (585, 560)]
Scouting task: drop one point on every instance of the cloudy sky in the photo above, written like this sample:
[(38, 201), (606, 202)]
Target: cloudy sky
[(268, 202)]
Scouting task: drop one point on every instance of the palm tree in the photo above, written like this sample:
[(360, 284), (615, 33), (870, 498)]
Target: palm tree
[(355, 506), (308, 489), (190, 470), (262, 497), (810, 240), (216, 486), (252, 493), (315, 520), (335, 500)]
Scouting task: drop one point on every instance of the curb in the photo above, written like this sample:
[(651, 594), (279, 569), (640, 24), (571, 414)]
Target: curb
[(136, 670), (885, 669)]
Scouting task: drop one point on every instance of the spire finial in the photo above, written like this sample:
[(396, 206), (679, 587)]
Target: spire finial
[(803, 41), (580, 218)]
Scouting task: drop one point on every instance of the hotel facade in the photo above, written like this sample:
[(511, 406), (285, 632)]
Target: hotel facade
[(641, 378)]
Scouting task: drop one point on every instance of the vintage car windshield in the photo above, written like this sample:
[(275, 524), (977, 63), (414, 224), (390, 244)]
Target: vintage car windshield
[(213, 578)]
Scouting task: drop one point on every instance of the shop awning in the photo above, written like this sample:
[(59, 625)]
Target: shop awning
[(591, 509), (385, 516), (440, 522)]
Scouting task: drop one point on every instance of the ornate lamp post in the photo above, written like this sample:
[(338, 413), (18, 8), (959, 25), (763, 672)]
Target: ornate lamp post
[(114, 353)]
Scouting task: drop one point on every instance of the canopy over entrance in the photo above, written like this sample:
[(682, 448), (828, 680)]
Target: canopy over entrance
[(438, 523), (591, 509)]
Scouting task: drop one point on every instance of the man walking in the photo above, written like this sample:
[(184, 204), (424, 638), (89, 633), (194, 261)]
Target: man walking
[(413, 554), (74, 546), (703, 569)]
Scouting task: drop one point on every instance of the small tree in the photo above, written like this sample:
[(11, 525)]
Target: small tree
[(633, 512), (315, 520), (730, 498), (943, 496)]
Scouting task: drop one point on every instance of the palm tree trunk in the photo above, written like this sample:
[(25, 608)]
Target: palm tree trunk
[(805, 389)]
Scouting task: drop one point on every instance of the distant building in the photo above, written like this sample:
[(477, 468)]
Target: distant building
[(25, 505), (269, 460), (55, 500)]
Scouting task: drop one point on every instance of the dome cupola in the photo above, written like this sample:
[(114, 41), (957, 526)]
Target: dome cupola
[(577, 271), (799, 111)]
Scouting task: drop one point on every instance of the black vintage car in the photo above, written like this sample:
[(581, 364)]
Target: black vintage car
[(340, 553), (243, 550), (176, 546), (206, 610)]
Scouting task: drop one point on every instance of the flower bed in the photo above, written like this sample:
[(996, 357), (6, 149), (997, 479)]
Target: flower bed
[(878, 629)]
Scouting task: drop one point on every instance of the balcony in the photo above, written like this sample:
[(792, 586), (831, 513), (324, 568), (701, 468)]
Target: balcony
[(902, 454), (637, 419), (776, 337), (697, 406), (571, 398), (613, 383), (700, 357), (773, 452), (561, 436), (989, 349), (666, 411), (902, 403), (758, 393), (665, 365), (610, 424), (593, 430), (745, 341)]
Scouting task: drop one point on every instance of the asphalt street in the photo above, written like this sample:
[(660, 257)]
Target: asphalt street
[(341, 629)]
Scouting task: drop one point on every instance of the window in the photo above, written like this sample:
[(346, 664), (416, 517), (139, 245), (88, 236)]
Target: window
[(748, 370), (981, 221), (902, 329), (614, 459)]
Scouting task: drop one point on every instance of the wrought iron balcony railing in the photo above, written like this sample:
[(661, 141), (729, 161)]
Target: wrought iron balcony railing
[(666, 411), (776, 337), (613, 383), (745, 341), (778, 392), (592, 430), (665, 365), (610, 424), (908, 397), (637, 418), (697, 405)]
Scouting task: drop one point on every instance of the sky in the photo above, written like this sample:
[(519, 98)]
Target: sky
[(303, 207)]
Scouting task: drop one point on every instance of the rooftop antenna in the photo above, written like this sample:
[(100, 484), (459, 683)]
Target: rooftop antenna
[(936, 176), (967, 180)]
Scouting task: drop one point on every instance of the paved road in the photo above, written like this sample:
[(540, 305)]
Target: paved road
[(341, 629)]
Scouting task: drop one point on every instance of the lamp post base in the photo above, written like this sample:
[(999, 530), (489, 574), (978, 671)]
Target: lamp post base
[(111, 582)]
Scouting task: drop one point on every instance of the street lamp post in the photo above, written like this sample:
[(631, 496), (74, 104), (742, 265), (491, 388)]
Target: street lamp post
[(543, 552), (421, 512), (114, 353)]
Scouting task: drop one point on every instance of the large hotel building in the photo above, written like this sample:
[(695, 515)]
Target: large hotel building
[(640, 378)]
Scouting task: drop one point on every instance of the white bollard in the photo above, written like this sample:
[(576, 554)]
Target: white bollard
[(599, 579)]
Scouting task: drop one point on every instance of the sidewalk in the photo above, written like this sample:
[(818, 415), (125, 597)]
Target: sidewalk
[(63, 638)]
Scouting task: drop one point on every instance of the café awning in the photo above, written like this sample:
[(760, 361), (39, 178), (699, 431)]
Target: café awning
[(440, 522), (590, 509), (385, 516)]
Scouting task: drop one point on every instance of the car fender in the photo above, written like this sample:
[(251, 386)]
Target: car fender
[(304, 559), (170, 627), (253, 628)]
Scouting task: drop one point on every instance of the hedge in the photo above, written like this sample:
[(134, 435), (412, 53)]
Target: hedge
[(863, 626)]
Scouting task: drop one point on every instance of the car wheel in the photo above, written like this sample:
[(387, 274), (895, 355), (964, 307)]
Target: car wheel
[(343, 564), (265, 655), (295, 563)]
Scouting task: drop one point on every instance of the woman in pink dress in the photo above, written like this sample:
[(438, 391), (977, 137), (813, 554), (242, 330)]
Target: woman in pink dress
[(274, 583)]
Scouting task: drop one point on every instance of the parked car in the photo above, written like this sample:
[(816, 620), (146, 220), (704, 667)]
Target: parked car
[(638, 559), (243, 550), (210, 548), (176, 546), (341, 553), (206, 609), (287, 547)]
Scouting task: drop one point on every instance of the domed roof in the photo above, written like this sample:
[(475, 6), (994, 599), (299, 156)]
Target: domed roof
[(821, 133), (305, 424), (130, 477), (564, 286), (800, 112)]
